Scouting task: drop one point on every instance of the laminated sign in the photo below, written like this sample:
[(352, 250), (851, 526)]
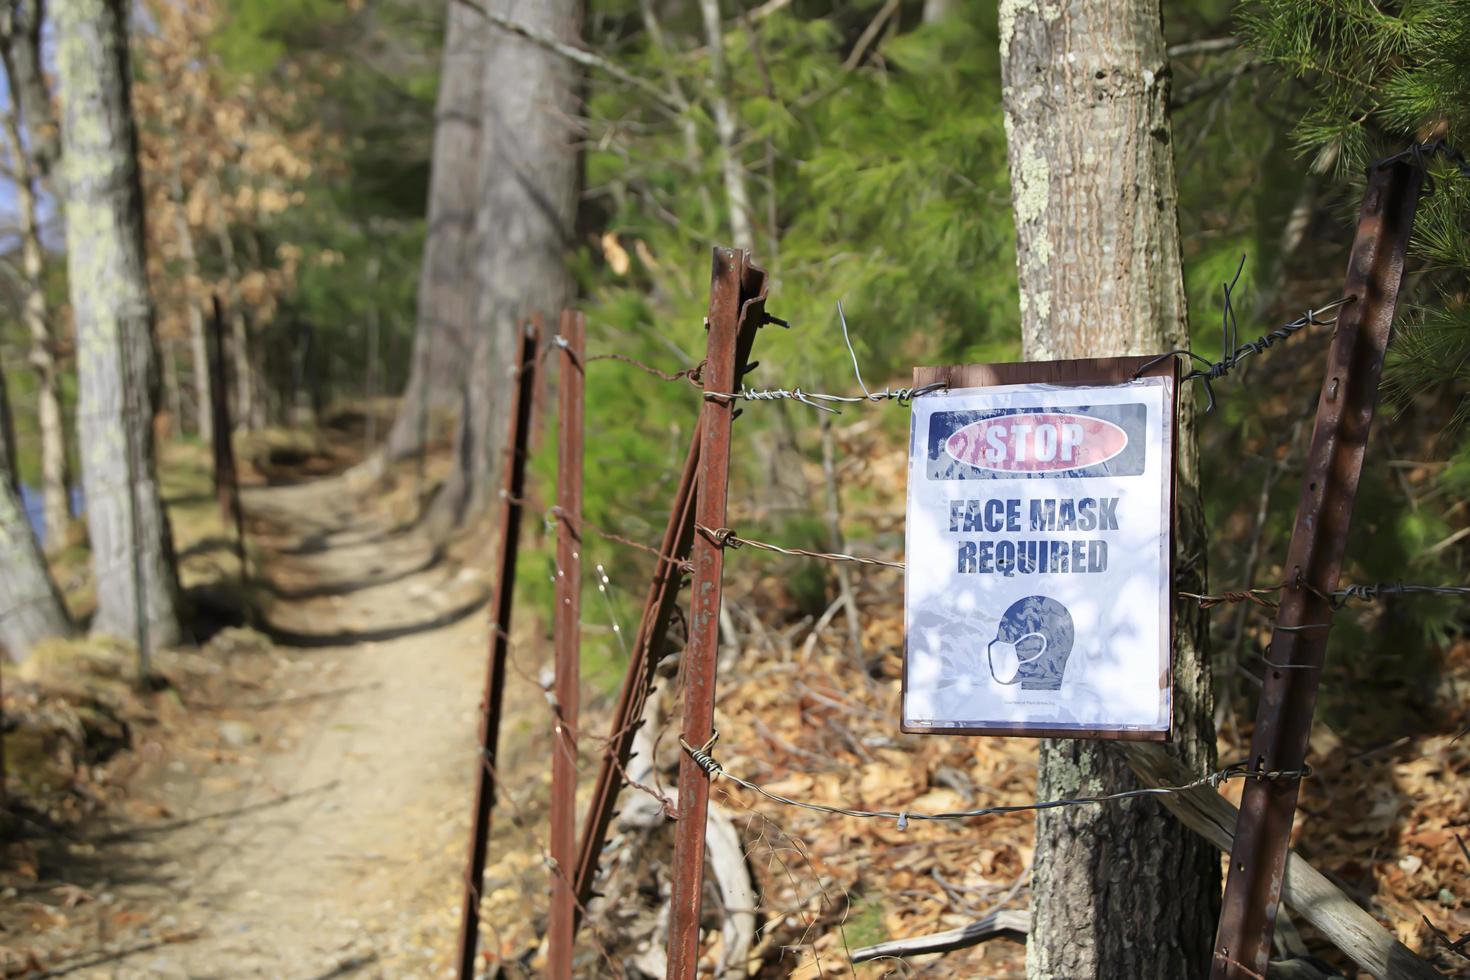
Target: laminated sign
[(1038, 589)]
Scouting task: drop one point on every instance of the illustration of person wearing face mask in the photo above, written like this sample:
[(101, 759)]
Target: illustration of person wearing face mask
[(1032, 644)]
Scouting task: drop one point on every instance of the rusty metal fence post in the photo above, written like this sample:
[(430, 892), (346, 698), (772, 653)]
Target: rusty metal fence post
[(567, 622), (736, 311), (647, 649), (1314, 559), (510, 534)]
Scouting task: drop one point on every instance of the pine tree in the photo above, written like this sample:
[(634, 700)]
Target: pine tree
[(1376, 79)]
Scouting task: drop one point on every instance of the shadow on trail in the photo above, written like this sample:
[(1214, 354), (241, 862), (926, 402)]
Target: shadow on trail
[(143, 830), (301, 640), (320, 542), (323, 590)]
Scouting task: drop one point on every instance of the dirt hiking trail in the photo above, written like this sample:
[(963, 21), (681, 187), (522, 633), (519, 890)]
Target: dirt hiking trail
[(325, 837)]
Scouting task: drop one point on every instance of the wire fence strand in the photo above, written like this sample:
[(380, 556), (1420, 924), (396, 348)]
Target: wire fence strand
[(1233, 351), (704, 758)]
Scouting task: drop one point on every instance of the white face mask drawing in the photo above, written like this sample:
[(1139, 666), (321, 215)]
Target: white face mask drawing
[(1006, 658)]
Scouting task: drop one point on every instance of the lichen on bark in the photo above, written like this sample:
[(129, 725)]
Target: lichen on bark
[(1121, 890)]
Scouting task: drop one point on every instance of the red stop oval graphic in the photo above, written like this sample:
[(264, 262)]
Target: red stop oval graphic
[(1036, 442)]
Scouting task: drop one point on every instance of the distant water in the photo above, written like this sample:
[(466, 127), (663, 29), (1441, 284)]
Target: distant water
[(30, 499)]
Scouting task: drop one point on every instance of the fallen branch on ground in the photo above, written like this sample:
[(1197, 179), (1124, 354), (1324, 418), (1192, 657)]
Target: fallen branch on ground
[(1014, 921), (1305, 889)]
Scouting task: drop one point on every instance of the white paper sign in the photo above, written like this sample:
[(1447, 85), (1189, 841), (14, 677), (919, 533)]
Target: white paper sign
[(1038, 560)]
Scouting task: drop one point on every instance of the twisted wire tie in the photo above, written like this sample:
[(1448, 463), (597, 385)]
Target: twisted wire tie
[(818, 400)]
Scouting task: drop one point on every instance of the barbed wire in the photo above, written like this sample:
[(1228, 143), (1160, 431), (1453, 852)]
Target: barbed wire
[(1337, 598), (821, 401), (1233, 352), (1419, 154), (555, 514), (703, 758), (693, 375), (724, 537)]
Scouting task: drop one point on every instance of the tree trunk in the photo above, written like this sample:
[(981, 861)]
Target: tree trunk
[(30, 607), (198, 345), (42, 355), (1123, 889), (936, 10), (20, 49), (370, 360), (447, 285), (132, 550), (524, 225), (173, 400), (736, 193), (261, 397), (54, 497), (247, 395)]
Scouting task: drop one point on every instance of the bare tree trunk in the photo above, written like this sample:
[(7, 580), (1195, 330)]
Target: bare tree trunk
[(20, 49), (736, 193), (198, 345), (260, 400), (688, 128), (370, 360), (447, 284), (936, 10), (132, 549), (42, 356), (30, 606), (172, 399), (524, 226), (838, 543), (1124, 889), (246, 386)]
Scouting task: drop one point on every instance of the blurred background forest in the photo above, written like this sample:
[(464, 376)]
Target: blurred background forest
[(286, 154)]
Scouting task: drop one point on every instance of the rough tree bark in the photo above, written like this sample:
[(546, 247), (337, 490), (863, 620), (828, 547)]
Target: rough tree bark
[(523, 229), (113, 313), (30, 606), (447, 285), (1121, 890)]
